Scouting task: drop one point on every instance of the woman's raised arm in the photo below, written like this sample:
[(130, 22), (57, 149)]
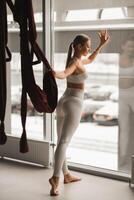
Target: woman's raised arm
[(104, 38)]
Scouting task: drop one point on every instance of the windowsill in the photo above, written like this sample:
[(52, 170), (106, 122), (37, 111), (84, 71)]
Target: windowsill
[(86, 25), (99, 171), (94, 25)]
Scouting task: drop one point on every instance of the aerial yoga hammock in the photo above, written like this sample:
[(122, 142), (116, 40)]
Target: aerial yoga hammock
[(43, 100), (3, 50)]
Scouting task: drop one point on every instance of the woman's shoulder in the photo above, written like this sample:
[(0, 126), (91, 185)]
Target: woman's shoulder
[(79, 67)]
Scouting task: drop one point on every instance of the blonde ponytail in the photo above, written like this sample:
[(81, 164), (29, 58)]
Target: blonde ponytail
[(79, 39)]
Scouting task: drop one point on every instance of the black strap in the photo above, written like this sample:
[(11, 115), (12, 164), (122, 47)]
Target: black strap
[(11, 6), (23, 140), (3, 42), (23, 14), (28, 80), (4, 51), (33, 37)]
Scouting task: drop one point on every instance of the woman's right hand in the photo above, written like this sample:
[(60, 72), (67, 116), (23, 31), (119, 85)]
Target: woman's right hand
[(104, 37)]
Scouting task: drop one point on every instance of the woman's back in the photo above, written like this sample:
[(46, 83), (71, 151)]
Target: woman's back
[(77, 78)]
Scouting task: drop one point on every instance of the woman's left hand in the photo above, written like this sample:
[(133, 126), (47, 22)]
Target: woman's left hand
[(104, 37)]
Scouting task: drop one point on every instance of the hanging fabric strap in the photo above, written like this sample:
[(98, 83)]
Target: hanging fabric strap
[(41, 99), (49, 84), (4, 50), (33, 36)]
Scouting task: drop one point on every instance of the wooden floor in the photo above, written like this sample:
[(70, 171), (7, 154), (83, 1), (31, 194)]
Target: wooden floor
[(19, 181)]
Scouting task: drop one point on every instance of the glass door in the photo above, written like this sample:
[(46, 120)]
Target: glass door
[(36, 122)]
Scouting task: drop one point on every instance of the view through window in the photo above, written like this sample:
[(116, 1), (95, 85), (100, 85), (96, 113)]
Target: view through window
[(34, 121), (104, 138)]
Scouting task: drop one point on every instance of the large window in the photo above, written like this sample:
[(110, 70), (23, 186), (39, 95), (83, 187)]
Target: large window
[(34, 122), (119, 13), (104, 137), (96, 14), (98, 140), (82, 15)]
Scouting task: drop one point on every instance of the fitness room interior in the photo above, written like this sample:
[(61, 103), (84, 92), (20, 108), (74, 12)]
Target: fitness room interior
[(101, 152)]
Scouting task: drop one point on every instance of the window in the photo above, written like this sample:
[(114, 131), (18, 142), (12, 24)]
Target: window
[(82, 15), (34, 122), (95, 14), (10, 19), (38, 17), (34, 119), (114, 13), (98, 140)]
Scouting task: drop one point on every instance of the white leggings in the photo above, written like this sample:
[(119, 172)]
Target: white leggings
[(126, 136), (68, 110)]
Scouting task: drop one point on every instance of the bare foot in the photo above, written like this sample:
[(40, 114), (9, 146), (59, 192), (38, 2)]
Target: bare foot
[(54, 181), (68, 178)]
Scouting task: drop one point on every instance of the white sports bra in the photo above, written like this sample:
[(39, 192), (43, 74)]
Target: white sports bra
[(126, 72), (77, 78)]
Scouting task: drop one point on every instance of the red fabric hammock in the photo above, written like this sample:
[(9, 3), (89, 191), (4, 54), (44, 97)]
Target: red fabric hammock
[(43, 100), (3, 50)]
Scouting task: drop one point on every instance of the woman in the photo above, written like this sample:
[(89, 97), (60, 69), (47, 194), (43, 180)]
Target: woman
[(70, 104), (126, 104)]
